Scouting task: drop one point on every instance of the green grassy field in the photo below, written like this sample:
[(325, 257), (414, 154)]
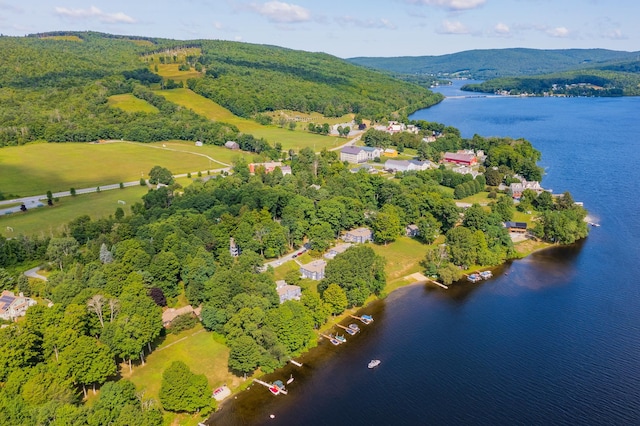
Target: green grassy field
[(480, 198), (129, 103), (171, 72), (219, 153), (196, 348), (403, 258), (35, 168), (52, 220), (289, 139)]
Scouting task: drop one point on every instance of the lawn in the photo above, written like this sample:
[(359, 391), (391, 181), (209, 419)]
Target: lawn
[(290, 139), (35, 168), (129, 103), (403, 258), (480, 198), (196, 348), (52, 220)]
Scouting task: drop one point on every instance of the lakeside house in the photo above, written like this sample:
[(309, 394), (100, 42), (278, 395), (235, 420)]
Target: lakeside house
[(358, 235), (12, 306), (287, 291), (516, 189), (518, 227), (313, 270)]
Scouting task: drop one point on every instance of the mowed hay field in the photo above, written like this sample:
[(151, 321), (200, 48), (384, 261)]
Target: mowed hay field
[(50, 221), (171, 72), (129, 103), (219, 153), (35, 168), (289, 139)]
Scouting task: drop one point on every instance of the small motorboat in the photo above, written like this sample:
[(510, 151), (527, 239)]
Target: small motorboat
[(354, 327), (374, 363), (367, 319), (340, 338)]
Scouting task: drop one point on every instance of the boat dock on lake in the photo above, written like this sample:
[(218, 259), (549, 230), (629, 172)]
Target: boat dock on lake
[(349, 330), (365, 319), (332, 339), (275, 388), (296, 363)]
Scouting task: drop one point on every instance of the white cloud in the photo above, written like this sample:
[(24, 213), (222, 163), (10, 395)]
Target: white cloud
[(94, 12), (451, 4), (502, 29), (560, 32), (277, 11), (615, 34), (381, 23), (452, 27)]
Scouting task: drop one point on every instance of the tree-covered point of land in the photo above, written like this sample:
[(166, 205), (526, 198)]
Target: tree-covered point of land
[(182, 390)]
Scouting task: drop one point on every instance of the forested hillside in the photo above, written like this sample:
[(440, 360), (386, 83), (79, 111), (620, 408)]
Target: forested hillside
[(492, 63), (56, 86), (615, 79)]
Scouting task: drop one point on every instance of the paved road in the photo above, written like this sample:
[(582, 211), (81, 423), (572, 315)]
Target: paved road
[(33, 273), (40, 200)]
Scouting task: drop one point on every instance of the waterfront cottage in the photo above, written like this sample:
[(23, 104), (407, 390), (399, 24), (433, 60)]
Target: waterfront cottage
[(516, 189)]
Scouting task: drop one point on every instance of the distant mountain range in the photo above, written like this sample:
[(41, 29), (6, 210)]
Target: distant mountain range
[(493, 63)]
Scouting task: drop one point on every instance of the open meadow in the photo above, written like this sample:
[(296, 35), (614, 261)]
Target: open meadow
[(197, 348), (290, 139), (35, 168), (52, 220), (129, 103)]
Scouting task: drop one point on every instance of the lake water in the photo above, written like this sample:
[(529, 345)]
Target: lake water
[(552, 339)]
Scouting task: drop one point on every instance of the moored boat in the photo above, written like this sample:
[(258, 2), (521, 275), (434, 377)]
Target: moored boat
[(374, 363), (367, 319), (340, 339), (354, 327)]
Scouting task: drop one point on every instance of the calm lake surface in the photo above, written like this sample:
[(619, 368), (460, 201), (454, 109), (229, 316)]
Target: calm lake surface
[(552, 339)]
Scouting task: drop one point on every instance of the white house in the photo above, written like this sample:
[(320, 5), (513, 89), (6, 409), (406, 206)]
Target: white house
[(358, 235), (353, 154), (372, 152), (406, 165), (12, 306)]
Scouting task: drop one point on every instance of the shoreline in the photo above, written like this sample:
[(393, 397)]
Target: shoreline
[(369, 304)]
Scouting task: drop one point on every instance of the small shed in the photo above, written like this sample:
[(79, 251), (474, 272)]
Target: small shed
[(198, 143)]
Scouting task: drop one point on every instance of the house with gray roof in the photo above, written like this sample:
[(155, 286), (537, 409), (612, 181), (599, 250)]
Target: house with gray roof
[(313, 270), (287, 291), (358, 235), (353, 154)]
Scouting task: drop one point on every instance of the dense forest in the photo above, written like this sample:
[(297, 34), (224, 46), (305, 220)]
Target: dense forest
[(55, 87), (493, 63), (616, 79)]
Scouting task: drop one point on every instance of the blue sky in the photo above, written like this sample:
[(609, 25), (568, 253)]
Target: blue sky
[(347, 28)]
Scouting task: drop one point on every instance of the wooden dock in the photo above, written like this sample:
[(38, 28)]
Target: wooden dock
[(438, 284), (331, 339), (351, 331), (268, 385), (296, 363)]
